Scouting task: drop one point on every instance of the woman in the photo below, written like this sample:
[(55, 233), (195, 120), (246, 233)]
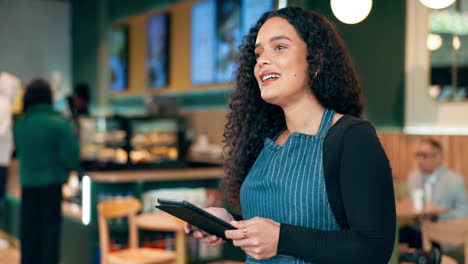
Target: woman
[(47, 150), (312, 180)]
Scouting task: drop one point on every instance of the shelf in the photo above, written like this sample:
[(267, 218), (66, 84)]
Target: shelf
[(157, 175)]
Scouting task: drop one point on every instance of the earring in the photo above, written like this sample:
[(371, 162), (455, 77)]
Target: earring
[(315, 75)]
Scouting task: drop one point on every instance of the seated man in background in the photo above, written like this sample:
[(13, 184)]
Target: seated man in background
[(440, 185), (447, 188)]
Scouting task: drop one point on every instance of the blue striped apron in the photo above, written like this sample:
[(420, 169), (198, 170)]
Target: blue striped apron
[(287, 184)]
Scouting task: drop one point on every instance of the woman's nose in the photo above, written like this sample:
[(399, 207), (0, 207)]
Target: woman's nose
[(264, 59)]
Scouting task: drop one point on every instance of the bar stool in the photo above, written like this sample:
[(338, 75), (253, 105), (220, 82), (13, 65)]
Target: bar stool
[(127, 207), (160, 221)]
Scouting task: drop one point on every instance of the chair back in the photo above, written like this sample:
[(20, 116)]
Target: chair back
[(122, 207), (119, 207), (449, 232)]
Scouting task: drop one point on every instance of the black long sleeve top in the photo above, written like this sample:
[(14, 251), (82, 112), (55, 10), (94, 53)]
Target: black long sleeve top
[(360, 191)]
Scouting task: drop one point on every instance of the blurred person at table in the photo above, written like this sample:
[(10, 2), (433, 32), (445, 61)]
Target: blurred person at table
[(47, 150), (445, 186), (310, 177), (439, 184)]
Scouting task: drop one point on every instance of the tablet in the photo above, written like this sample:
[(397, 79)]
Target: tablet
[(195, 216)]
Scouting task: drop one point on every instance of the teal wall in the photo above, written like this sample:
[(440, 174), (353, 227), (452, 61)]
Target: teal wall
[(84, 15), (377, 46)]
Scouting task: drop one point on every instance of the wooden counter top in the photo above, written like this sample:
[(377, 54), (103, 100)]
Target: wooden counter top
[(157, 175)]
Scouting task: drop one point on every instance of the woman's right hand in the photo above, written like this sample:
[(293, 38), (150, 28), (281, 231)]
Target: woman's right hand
[(209, 239)]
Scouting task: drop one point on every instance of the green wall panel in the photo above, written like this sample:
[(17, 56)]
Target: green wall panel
[(75, 237), (84, 43), (377, 46)]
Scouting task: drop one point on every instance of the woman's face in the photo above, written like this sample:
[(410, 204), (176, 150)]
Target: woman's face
[(281, 69)]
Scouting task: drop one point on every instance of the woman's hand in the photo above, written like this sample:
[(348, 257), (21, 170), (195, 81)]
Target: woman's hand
[(211, 240), (258, 237)]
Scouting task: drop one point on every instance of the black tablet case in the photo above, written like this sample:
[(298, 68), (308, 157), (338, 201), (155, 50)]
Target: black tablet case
[(195, 216)]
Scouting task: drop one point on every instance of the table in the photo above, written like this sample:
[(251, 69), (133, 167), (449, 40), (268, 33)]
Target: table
[(405, 209)]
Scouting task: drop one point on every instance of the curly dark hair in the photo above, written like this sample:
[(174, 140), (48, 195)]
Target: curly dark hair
[(251, 119)]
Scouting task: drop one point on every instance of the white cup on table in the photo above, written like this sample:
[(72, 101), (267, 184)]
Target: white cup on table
[(427, 193), (417, 198)]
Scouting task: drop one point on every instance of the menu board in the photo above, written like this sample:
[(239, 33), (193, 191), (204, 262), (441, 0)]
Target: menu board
[(228, 39), (158, 51), (252, 10), (118, 59), (216, 32), (203, 48)]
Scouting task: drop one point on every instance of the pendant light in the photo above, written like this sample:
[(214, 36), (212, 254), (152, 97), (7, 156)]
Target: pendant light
[(351, 11), (437, 4)]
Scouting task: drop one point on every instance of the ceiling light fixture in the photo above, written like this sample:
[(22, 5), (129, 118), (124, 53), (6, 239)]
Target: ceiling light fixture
[(351, 11)]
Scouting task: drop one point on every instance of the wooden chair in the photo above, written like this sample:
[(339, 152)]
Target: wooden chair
[(161, 221), (450, 232), (127, 207)]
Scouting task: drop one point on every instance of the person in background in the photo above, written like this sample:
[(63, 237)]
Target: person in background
[(443, 185), (79, 102), (9, 86), (311, 179), (47, 150), (439, 185)]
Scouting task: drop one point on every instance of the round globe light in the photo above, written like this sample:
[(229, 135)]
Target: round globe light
[(434, 41), (351, 11), (437, 4)]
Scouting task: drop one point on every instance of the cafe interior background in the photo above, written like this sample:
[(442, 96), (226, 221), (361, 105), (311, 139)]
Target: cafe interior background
[(160, 73)]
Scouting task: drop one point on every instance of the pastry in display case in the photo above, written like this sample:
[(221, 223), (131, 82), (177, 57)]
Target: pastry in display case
[(132, 142), (103, 139), (156, 140)]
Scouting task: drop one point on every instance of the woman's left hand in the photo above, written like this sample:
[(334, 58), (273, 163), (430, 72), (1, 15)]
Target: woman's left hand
[(258, 237)]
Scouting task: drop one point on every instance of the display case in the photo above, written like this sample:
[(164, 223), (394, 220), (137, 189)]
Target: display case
[(132, 142)]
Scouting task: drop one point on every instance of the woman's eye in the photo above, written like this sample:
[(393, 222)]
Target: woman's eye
[(257, 55), (279, 47)]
